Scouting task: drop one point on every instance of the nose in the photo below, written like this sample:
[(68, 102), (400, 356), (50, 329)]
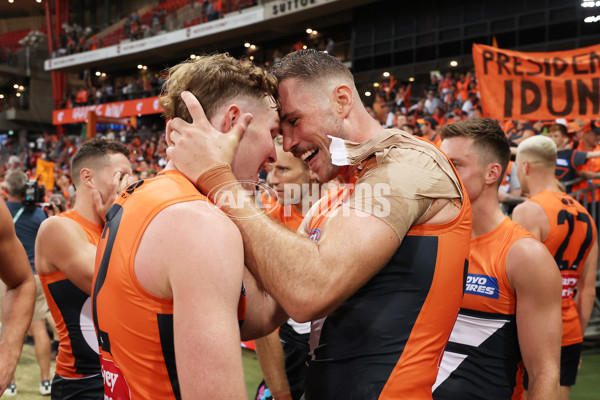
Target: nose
[(288, 139), (272, 156), (272, 179)]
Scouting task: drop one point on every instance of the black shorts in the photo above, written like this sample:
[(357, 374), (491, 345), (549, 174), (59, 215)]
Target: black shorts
[(569, 365), (89, 388)]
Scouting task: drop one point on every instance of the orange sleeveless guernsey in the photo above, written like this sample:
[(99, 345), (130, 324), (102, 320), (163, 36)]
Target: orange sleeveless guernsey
[(572, 234), (483, 358), (386, 341), (72, 312), (135, 328)]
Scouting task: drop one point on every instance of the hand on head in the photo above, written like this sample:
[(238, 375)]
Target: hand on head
[(196, 147)]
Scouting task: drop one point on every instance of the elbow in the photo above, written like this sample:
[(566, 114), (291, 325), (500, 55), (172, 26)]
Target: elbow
[(309, 309)]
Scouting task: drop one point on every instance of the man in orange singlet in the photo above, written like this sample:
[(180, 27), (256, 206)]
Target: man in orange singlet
[(510, 313), (283, 355), (569, 233), (385, 268), (65, 252), (166, 299)]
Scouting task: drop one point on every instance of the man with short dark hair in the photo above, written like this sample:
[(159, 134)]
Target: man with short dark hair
[(510, 312), (65, 254), (380, 274)]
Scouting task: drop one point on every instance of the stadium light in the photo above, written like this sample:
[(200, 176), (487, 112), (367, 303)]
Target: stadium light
[(314, 33), (590, 4), (411, 79), (98, 73), (140, 66), (592, 19), (252, 47), (16, 86), (304, 47), (386, 74), (376, 84), (368, 94), (21, 88), (104, 74), (1, 96), (251, 58), (453, 63), (18, 95), (309, 31), (192, 56), (11, 1), (38, 1), (246, 45)]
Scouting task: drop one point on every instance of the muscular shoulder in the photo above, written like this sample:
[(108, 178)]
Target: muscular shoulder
[(57, 231), (526, 260), (193, 237), (531, 216)]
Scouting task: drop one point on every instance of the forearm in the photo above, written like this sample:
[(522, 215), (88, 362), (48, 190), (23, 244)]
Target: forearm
[(544, 385), (272, 363), (263, 313), (17, 311), (268, 253)]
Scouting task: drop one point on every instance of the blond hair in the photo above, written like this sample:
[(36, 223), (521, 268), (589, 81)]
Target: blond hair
[(214, 80), (539, 150)]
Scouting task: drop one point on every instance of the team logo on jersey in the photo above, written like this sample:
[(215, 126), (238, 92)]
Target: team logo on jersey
[(482, 285), (314, 235), (115, 385)]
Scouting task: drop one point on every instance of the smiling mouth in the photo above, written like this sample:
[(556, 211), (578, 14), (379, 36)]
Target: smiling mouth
[(308, 155)]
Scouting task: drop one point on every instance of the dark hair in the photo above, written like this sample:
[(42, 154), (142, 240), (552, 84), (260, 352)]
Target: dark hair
[(309, 65), (559, 127), (487, 135), (432, 122), (92, 151)]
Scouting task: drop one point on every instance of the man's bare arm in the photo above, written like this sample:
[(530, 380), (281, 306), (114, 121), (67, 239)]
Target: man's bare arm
[(62, 245), (586, 287), (310, 279), (17, 307), (200, 266), (535, 278), (263, 314), (272, 363)]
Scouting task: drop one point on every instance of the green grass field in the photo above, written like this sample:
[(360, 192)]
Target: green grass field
[(27, 375)]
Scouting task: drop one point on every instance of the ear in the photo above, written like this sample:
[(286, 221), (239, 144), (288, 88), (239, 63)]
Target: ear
[(232, 113), (494, 173), (526, 167), (343, 100), (86, 177)]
